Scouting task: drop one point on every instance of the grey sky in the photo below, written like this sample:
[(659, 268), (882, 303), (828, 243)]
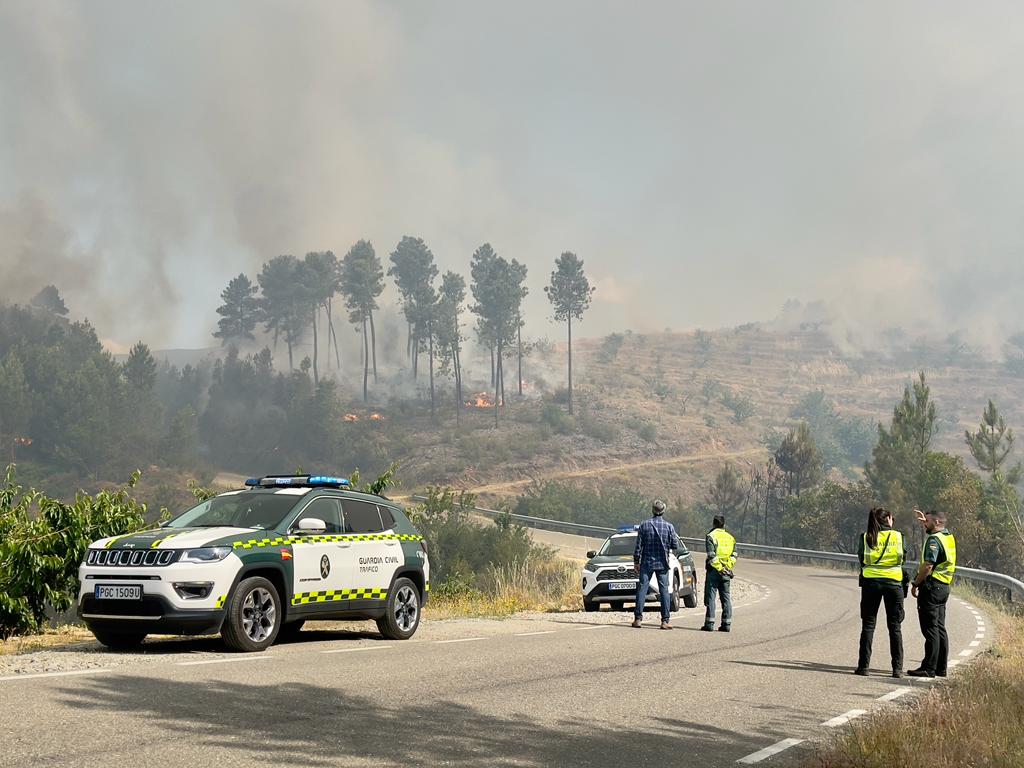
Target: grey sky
[(706, 161)]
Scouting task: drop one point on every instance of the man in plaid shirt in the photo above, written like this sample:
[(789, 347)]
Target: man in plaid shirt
[(654, 539)]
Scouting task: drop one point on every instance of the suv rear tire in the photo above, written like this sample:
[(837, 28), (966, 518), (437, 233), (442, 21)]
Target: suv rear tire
[(673, 600), (253, 616), (402, 615), (119, 641), (690, 600)]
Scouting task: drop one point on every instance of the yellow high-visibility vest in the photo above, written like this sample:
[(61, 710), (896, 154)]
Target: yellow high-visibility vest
[(725, 547), (885, 559), (943, 571)]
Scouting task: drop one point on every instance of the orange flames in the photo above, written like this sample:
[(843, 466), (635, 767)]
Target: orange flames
[(376, 417), (481, 400), (350, 417)]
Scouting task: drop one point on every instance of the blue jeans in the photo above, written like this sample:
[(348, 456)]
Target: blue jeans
[(716, 586), (641, 591)]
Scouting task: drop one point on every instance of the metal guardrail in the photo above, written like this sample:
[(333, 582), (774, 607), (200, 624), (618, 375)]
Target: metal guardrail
[(1013, 588)]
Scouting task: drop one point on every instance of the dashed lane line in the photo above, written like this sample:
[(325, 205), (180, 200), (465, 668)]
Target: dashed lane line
[(966, 652), (895, 694), (459, 640), (844, 718), (764, 754), (38, 675), (531, 634), (363, 648), (596, 626), (222, 661), (974, 643)]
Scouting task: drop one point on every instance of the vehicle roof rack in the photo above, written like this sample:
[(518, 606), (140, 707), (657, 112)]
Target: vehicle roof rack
[(298, 481)]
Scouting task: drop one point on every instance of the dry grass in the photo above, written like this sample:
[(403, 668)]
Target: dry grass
[(974, 720), (530, 585), (57, 637)]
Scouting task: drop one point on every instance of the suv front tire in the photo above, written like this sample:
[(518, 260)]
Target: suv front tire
[(254, 616), (403, 611)]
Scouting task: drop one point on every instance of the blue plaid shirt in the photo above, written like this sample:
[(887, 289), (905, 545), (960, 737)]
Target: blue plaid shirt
[(654, 539)]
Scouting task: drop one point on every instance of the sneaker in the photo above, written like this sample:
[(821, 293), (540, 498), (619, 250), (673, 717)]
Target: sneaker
[(920, 673), (666, 625), (636, 623), (861, 672), (724, 628), (706, 628)]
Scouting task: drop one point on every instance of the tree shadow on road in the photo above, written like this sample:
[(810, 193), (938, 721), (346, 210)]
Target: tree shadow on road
[(313, 725)]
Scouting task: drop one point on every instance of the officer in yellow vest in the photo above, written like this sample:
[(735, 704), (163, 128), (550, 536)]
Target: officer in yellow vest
[(882, 553), (720, 546), (931, 588)]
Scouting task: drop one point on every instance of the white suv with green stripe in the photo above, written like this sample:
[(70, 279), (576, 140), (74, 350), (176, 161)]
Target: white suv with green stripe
[(255, 564)]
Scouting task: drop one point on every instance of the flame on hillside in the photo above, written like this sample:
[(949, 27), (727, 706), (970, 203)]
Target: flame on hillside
[(481, 400), (376, 417), (350, 417)]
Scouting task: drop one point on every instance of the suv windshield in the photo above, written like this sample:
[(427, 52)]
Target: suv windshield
[(240, 510), (620, 545)]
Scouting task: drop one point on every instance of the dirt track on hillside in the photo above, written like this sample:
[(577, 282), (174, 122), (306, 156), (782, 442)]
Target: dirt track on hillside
[(512, 485)]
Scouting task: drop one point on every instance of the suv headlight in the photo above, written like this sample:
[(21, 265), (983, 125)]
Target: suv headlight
[(205, 554), (591, 568)]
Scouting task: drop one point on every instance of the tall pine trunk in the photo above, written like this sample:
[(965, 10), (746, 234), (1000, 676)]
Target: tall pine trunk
[(366, 362), (570, 365), (373, 347), (291, 362), (430, 352), (458, 384), (497, 384), (494, 372), (334, 334), (316, 351), (519, 336)]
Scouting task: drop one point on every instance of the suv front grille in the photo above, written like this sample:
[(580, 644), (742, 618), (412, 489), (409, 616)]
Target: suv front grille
[(613, 574), (131, 557)]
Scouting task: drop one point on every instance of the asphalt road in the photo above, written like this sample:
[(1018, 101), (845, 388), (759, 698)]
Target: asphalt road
[(534, 691)]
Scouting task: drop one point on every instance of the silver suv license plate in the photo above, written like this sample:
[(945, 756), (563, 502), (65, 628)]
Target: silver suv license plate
[(118, 591)]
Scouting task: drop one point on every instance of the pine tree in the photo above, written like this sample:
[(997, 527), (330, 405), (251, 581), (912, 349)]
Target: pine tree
[(140, 368), (569, 293), (992, 444), (240, 311), (362, 280)]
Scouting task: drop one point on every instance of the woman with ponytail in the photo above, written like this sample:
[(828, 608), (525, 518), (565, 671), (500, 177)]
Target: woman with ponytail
[(882, 554)]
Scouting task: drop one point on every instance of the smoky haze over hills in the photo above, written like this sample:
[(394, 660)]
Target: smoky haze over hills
[(707, 164)]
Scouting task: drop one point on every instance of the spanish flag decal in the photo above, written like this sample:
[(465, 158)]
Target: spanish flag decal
[(286, 554)]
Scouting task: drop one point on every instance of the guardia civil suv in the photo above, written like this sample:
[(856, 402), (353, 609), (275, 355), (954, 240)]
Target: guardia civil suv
[(255, 564), (610, 578)]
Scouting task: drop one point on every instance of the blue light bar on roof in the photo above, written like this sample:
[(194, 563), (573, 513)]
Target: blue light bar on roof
[(252, 481), (327, 480), (627, 528)]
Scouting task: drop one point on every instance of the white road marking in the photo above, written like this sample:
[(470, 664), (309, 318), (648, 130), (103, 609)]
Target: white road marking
[(953, 663), (594, 626), (363, 648), (767, 752), (56, 674), (460, 640), (531, 634), (974, 643), (980, 636), (967, 652), (893, 695), (222, 661), (844, 718)]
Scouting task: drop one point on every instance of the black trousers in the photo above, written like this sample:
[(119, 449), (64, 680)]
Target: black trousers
[(872, 594), (931, 611)]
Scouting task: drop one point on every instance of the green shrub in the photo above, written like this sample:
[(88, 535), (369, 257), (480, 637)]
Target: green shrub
[(461, 549), (559, 421), (43, 541)]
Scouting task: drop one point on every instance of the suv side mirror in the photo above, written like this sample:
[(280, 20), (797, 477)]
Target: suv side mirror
[(312, 525), (591, 553)]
